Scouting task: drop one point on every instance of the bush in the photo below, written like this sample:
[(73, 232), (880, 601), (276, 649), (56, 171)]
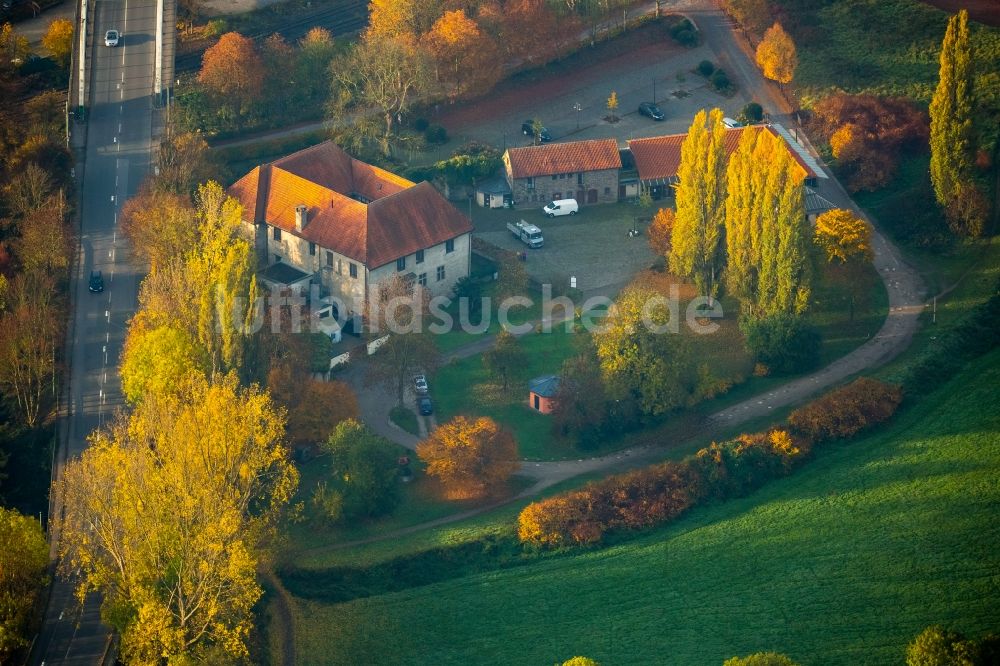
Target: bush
[(684, 33), (751, 113), (436, 134), (215, 27), (847, 410), (720, 80), (937, 646), (783, 343), (421, 124), (705, 68), (761, 659), (363, 480)]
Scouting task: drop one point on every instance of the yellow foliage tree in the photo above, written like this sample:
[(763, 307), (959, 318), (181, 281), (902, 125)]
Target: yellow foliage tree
[(776, 55), (472, 458), (58, 39), (463, 51), (157, 361), (613, 105), (843, 236), (168, 513), (24, 559)]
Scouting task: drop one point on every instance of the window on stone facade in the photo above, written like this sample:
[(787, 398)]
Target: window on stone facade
[(557, 195), (354, 270), (449, 246), (420, 256), (401, 264), (440, 273), (554, 176), (312, 249), (329, 259), (530, 183), (276, 233), (277, 258), (422, 279), (579, 178), (607, 191)]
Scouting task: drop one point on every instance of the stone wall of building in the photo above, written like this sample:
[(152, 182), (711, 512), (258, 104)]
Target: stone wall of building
[(588, 187)]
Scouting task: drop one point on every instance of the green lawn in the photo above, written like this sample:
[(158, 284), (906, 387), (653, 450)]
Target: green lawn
[(404, 418), (842, 563), (464, 387)]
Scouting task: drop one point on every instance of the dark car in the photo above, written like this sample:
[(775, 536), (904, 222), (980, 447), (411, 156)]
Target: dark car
[(425, 405), (651, 110), (528, 129), (96, 282)]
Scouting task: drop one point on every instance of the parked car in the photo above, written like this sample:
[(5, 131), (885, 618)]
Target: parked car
[(420, 384), (528, 129), (96, 284), (425, 405), (651, 110), (561, 207), (112, 38), (730, 123), (528, 234)]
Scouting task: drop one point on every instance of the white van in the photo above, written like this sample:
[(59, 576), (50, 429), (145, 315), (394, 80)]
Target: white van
[(561, 207), (730, 123)]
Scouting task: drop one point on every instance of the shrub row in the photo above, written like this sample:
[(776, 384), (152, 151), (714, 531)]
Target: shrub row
[(846, 411), (660, 493)]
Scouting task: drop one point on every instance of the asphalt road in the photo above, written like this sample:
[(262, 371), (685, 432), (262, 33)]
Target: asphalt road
[(114, 162)]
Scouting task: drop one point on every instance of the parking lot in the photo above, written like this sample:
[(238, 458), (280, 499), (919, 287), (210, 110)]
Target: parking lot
[(593, 246)]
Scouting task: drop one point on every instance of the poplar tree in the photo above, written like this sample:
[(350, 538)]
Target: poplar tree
[(951, 120), (741, 261), (697, 237)]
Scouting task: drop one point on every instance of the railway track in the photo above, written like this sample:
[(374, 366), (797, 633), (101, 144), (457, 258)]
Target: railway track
[(345, 16)]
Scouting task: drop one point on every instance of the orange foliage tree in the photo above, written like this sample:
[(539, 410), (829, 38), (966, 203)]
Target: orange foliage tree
[(776, 55), (660, 231), (232, 69), (472, 458), (314, 407), (464, 55)]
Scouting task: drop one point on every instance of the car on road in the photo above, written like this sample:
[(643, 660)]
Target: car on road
[(96, 284), (420, 384), (651, 110), (425, 405), (528, 129), (112, 38)]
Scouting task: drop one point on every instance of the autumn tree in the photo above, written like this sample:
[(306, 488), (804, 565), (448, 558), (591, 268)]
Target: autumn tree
[(612, 106), (471, 457), (867, 134), (776, 55), (464, 55), (30, 332), (767, 235), (660, 231), (281, 78), (698, 226), (168, 513), (314, 407), (843, 236), (505, 359), (14, 46), (641, 358), (24, 560), (952, 144), (58, 39), (182, 163), (160, 226), (388, 19), (580, 661), (383, 77), (364, 471), (312, 62), (46, 242), (157, 361), (232, 70), (27, 190)]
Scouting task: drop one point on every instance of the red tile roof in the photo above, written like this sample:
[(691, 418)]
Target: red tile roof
[(399, 219), (659, 157), (556, 158)]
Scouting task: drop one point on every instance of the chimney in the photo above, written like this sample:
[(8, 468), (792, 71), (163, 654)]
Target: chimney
[(301, 217)]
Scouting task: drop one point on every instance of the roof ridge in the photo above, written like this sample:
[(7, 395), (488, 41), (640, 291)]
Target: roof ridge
[(303, 150)]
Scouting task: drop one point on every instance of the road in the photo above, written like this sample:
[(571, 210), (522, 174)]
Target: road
[(112, 161)]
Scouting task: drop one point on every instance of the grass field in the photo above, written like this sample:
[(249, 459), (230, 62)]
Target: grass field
[(842, 563)]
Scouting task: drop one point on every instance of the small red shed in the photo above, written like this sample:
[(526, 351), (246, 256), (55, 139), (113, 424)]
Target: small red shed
[(542, 392)]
